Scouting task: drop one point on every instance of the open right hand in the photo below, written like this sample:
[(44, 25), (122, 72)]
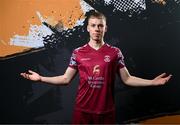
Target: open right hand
[(31, 76)]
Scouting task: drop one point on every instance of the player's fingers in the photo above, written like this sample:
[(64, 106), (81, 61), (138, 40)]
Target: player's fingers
[(168, 77), (26, 75), (30, 71), (23, 74), (161, 75)]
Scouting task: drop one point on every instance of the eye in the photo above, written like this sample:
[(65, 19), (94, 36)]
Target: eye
[(93, 25), (101, 25)]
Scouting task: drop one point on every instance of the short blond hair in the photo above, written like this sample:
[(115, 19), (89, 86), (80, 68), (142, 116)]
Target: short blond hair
[(96, 14)]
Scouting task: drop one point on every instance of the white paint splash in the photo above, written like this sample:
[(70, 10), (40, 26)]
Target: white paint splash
[(35, 36), (34, 39), (85, 7), (108, 1), (36, 33), (40, 17), (79, 22)]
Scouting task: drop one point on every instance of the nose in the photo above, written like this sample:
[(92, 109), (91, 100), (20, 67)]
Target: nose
[(96, 28)]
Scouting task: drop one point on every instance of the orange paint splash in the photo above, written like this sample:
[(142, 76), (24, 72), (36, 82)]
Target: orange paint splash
[(17, 15)]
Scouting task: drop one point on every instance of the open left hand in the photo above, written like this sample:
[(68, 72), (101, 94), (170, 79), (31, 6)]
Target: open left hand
[(161, 79)]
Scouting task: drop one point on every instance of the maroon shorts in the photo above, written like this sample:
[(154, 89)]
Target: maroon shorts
[(80, 117)]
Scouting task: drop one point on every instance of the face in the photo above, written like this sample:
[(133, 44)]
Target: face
[(96, 28)]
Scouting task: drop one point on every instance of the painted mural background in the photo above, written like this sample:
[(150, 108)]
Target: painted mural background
[(41, 34), (21, 21)]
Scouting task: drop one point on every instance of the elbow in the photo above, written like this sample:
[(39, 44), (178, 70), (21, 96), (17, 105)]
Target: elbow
[(126, 80), (66, 81)]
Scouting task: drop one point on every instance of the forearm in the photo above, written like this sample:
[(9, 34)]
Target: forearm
[(56, 80), (133, 80), (136, 81), (62, 79)]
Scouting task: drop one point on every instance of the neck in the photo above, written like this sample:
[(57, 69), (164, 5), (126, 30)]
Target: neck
[(96, 44)]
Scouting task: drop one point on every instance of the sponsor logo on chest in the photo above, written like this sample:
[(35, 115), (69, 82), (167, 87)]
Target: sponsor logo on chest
[(107, 58)]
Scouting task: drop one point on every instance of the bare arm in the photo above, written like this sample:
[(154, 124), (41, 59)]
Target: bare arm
[(56, 80), (136, 81)]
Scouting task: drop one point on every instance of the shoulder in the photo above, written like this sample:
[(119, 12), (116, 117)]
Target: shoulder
[(114, 48), (79, 49)]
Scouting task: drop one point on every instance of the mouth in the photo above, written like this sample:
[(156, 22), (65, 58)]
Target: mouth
[(97, 34)]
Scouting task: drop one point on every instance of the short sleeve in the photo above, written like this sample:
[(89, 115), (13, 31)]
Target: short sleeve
[(73, 60), (120, 59)]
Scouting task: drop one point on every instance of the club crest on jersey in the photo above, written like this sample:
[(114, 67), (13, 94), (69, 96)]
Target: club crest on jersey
[(107, 58)]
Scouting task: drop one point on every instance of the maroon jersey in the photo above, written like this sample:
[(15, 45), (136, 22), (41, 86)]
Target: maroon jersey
[(97, 69)]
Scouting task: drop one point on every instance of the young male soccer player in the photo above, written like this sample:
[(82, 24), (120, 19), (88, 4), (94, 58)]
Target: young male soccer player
[(97, 63)]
